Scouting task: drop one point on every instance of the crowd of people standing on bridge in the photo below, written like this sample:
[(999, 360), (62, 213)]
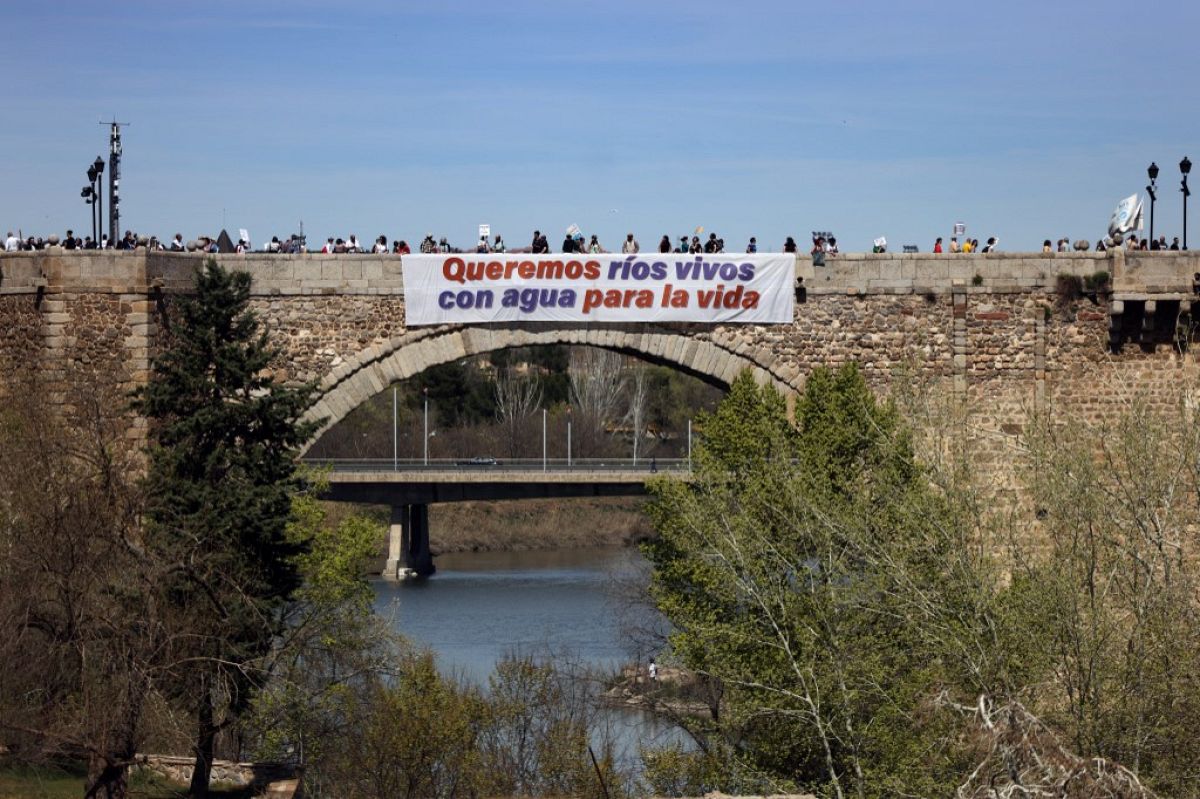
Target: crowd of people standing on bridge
[(824, 245)]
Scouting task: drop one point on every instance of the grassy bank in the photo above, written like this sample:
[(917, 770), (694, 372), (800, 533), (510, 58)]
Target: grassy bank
[(537, 524), (67, 782), (524, 525)]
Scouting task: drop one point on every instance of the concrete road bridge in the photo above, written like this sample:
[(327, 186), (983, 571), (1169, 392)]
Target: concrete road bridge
[(409, 487), (1006, 334)]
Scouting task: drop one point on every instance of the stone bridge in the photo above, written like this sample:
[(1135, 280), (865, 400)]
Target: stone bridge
[(997, 327), (1007, 332)]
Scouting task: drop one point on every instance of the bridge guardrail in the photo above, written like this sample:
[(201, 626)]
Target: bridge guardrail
[(506, 465)]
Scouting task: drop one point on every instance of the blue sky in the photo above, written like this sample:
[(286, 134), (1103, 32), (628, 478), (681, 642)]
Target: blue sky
[(1026, 120)]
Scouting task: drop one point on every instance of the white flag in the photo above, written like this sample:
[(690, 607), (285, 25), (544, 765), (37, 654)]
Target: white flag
[(1126, 217)]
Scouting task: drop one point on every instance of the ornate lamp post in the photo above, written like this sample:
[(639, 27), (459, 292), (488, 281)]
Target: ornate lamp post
[(97, 197), (88, 193), (1185, 166), (1152, 171)]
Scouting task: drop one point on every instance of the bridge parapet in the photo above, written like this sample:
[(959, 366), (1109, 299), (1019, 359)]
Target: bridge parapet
[(366, 274)]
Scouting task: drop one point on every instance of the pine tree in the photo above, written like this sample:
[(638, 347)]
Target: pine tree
[(224, 436)]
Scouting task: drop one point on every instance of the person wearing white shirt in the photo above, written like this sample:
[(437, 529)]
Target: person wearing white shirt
[(177, 243), (380, 245), (11, 244), (352, 244)]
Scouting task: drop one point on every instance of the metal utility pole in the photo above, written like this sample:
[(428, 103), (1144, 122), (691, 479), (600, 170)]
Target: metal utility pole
[(114, 179)]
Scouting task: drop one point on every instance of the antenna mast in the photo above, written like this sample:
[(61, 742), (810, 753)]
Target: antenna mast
[(114, 179)]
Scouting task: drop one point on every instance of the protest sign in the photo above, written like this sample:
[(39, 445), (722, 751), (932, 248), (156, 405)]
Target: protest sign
[(720, 288)]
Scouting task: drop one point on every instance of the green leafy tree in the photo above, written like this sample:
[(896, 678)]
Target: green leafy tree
[(413, 736), (224, 437), (332, 646), (784, 566)]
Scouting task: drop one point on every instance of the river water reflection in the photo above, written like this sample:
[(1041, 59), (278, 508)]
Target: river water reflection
[(482, 606)]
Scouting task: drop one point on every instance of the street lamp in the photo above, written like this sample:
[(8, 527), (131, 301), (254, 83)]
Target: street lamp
[(568, 438), (425, 393), (91, 195), (1185, 166), (88, 193), (98, 193), (1152, 171)]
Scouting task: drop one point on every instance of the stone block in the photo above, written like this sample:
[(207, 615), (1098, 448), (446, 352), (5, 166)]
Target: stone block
[(303, 271)]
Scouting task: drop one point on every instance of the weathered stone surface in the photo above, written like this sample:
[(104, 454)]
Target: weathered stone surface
[(1005, 345)]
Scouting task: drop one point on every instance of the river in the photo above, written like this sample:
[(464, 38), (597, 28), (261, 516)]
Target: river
[(481, 606)]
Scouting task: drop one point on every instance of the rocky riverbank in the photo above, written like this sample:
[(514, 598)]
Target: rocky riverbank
[(672, 691)]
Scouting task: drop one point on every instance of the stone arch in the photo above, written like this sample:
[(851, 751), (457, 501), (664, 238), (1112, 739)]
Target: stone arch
[(372, 370)]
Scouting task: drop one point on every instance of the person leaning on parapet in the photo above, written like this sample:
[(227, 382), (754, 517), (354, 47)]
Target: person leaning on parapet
[(539, 246), (11, 243), (482, 246), (177, 243), (594, 245), (498, 245), (1174, 243), (631, 245), (710, 246), (569, 244), (991, 245), (664, 245), (380, 247), (954, 246), (752, 246), (937, 246), (818, 251)]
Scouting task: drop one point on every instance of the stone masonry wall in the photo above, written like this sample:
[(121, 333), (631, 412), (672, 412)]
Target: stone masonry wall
[(991, 328)]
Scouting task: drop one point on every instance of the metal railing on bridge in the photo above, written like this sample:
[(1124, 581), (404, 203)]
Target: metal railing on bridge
[(487, 465)]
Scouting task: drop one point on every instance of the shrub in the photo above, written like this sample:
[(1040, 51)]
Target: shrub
[(1069, 288)]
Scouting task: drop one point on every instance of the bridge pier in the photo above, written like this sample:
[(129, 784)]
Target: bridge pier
[(408, 542)]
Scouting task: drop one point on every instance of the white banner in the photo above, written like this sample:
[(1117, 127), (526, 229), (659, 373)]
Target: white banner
[(725, 288)]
